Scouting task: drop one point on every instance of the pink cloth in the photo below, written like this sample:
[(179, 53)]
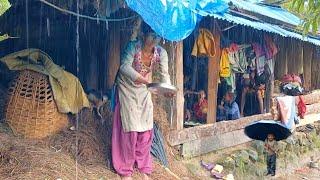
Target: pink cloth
[(130, 148), (258, 49), (288, 78), (270, 47), (287, 107), (233, 47)]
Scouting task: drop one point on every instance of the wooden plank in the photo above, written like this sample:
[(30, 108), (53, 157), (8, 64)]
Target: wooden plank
[(315, 79), (313, 108), (178, 119), (269, 93), (199, 132), (206, 145), (92, 76), (313, 97), (291, 58), (309, 119), (298, 54), (213, 76), (280, 67), (310, 98), (113, 61), (307, 62), (229, 139)]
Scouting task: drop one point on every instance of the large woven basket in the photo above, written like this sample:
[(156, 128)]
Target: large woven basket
[(31, 110), (3, 98)]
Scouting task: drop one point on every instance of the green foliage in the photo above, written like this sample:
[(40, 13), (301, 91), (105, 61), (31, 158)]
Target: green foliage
[(4, 6), (309, 11)]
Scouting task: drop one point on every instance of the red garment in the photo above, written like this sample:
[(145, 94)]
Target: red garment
[(271, 48), (199, 107), (291, 78), (233, 47), (302, 108)]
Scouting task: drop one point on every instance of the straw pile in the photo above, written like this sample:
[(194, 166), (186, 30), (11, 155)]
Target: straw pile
[(55, 157), (25, 159), (92, 139), (161, 118)]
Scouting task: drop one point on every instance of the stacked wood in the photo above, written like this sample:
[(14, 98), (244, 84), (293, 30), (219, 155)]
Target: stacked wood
[(312, 98), (216, 129)]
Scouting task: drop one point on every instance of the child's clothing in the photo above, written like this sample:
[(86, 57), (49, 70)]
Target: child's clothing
[(271, 156), (200, 109), (230, 111)]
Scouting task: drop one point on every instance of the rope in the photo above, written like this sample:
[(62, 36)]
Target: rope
[(85, 16), (78, 64)]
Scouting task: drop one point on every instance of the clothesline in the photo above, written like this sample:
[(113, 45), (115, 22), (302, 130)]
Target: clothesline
[(85, 16)]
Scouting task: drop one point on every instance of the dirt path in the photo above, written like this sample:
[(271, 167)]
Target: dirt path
[(302, 173)]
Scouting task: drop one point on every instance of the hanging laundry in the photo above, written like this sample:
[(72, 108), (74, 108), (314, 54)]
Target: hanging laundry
[(204, 44), (270, 64), (258, 49), (238, 61), (302, 108), (231, 81), (270, 48), (287, 108), (260, 62), (225, 69), (233, 47), (289, 78)]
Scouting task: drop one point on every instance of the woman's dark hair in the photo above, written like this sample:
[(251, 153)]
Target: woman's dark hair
[(145, 28)]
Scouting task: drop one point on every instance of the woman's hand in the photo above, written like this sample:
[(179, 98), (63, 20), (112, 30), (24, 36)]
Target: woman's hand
[(169, 95), (220, 106), (142, 80)]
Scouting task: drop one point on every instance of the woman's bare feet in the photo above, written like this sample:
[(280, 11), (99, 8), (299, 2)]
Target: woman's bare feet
[(145, 177), (126, 178)]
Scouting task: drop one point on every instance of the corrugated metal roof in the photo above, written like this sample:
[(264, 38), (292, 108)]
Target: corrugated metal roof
[(267, 27), (269, 11), (272, 12)]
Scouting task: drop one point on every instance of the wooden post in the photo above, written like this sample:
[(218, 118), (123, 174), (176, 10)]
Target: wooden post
[(291, 58), (280, 67), (178, 59), (113, 61), (315, 69), (213, 76), (298, 50), (307, 61)]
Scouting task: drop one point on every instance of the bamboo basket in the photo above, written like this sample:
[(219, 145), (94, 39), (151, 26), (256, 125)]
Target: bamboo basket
[(3, 98), (31, 110)]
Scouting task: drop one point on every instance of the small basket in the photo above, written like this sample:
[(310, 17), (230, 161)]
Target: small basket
[(31, 110)]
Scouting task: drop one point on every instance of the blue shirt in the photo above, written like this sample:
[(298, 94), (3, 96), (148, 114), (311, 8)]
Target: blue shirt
[(229, 112)]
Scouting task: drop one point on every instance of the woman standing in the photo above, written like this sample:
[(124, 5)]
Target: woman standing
[(133, 118)]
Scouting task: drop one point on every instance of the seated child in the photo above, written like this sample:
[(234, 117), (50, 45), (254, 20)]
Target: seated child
[(271, 146), (201, 107), (228, 108)]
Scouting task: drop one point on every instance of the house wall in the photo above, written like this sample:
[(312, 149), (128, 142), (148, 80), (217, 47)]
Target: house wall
[(54, 32), (300, 58)]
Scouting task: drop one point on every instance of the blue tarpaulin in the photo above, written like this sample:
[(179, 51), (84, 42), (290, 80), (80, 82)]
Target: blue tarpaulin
[(175, 20)]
